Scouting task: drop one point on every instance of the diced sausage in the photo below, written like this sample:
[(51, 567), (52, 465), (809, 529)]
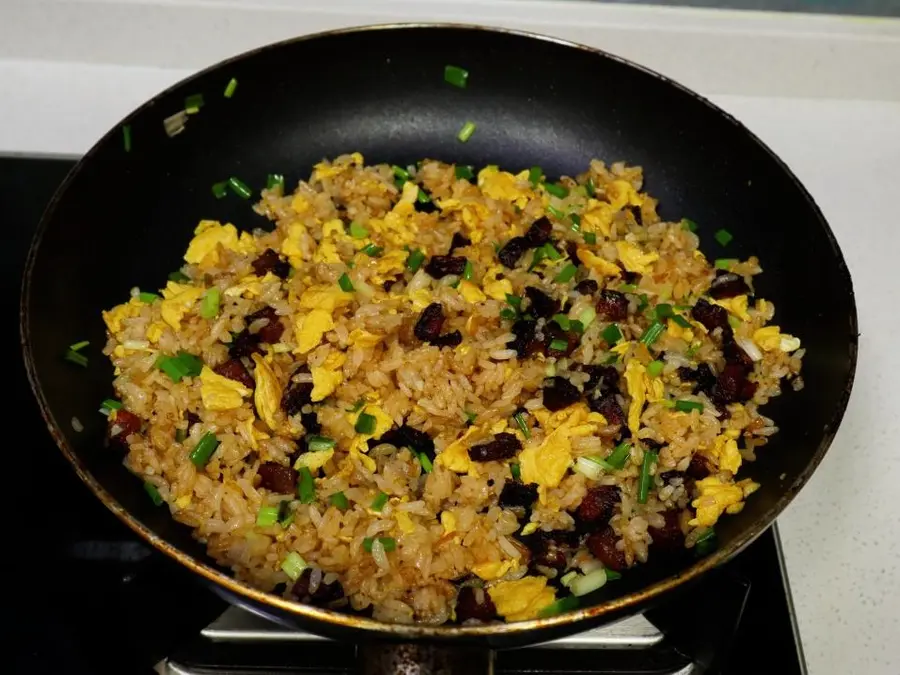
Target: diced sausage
[(539, 232), (442, 265), (602, 546), (541, 304), (598, 505), (277, 477), (587, 287), (612, 305), (233, 369), (459, 241), (710, 315), (669, 537), (512, 251), (515, 494), (474, 603), (609, 407), (270, 261), (727, 285), (559, 394), (504, 446), (124, 424), (271, 332)]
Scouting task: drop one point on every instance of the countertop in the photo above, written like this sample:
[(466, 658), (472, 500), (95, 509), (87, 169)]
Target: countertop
[(822, 91)]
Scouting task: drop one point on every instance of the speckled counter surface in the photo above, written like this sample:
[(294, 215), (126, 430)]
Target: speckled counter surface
[(822, 92)]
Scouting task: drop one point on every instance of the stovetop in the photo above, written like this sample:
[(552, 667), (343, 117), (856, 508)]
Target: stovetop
[(89, 597)]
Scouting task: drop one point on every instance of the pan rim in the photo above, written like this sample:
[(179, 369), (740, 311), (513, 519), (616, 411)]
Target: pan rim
[(222, 578)]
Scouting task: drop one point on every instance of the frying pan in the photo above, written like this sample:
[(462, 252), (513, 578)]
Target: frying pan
[(122, 219)]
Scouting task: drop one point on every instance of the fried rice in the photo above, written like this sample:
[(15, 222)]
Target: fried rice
[(429, 394)]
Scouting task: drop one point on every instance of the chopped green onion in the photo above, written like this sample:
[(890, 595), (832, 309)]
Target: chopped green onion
[(555, 212), (230, 88), (516, 471), (650, 458), (317, 443), (724, 237), (365, 423), (655, 368), (559, 345), (566, 273), (694, 348), (423, 197), (591, 189), (146, 296), (582, 585), (266, 516), (209, 306), (111, 404), (515, 301), (345, 283), (705, 543), (663, 310), (612, 334), (470, 416), (306, 486), (424, 460), (687, 406), (522, 424), (285, 513), (372, 250), (293, 565), (79, 345), (274, 180), (204, 449), (239, 187), (193, 103), (535, 174), (681, 321), (651, 335), (219, 190), (627, 288), (357, 406), (565, 604), (689, 225), (466, 132), (339, 500), (180, 435), (550, 252), (734, 322), (577, 326), (389, 543), (456, 76), (590, 238), (126, 142), (725, 263), (576, 222), (644, 301), (415, 260), (380, 500), (508, 314), (557, 190), (152, 490), (587, 317), (468, 271), (464, 172), (181, 366), (619, 456), (612, 358), (612, 575), (357, 231), (590, 466), (178, 277), (564, 322), (400, 173)]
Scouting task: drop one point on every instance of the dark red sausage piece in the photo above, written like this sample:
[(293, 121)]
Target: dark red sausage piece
[(609, 407), (515, 494), (669, 537), (277, 477), (270, 261), (612, 305), (587, 287), (512, 251), (539, 232), (504, 446), (272, 331), (559, 394), (710, 315), (541, 304), (442, 265), (599, 505), (474, 603), (602, 546), (727, 285), (124, 425), (233, 369)]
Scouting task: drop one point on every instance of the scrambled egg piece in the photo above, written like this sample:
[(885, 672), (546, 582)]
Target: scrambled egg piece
[(621, 193), (472, 215), (471, 292), (494, 287), (502, 185), (389, 266), (530, 528), (448, 522), (314, 460), (455, 456), (252, 434), (717, 497), (634, 259), (178, 299), (267, 396), (676, 331), (521, 599), (725, 452), (383, 424), (363, 338), (736, 305), (634, 379), (155, 331), (310, 328), (420, 299), (398, 228), (209, 235), (771, 338), (495, 569), (601, 266), (326, 252), (128, 310), (251, 285), (324, 170), (404, 522), (547, 463), (291, 245), (597, 216), (219, 392), (327, 377), (324, 297)]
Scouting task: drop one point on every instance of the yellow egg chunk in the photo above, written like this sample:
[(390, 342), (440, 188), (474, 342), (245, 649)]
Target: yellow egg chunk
[(494, 287), (324, 297), (208, 236), (114, 317), (771, 338), (310, 328), (597, 216), (219, 392), (621, 193), (471, 292), (736, 305), (267, 396), (498, 184), (634, 259), (715, 497), (448, 522), (601, 266), (455, 456), (404, 522), (314, 460), (725, 453), (521, 599), (363, 338), (634, 379), (383, 424), (495, 569), (325, 381), (178, 300)]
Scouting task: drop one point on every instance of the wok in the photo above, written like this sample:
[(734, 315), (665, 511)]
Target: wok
[(122, 219)]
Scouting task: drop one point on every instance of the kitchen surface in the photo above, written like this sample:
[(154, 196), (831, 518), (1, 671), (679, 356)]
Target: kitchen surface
[(821, 90)]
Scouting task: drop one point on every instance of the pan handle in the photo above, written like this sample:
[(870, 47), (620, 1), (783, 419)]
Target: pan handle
[(412, 658)]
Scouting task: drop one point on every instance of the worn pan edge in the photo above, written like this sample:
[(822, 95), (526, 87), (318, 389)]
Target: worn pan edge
[(588, 615)]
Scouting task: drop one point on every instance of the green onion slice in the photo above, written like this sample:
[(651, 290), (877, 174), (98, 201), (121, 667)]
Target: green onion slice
[(293, 565), (77, 358), (651, 335), (126, 142), (689, 225), (79, 345), (400, 173), (516, 471), (266, 516), (522, 424), (379, 502), (686, 406), (590, 188), (619, 456), (193, 103), (468, 271), (306, 486), (557, 190), (389, 543), (681, 321), (562, 605), (562, 320), (146, 296), (515, 301), (415, 260), (178, 277), (724, 237), (111, 404), (612, 575), (239, 187), (345, 283), (372, 250), (566, 273), (470, 416), (466, 132), (464, 172), (425, 461), (357, 406), (555, 212), (274, 180), (456, 76), (365, 423), (153, 491), (230, 88), (612, 334), (339, 500), (535, 174), (357, 231), (423, 197), (725, 263), (655, 368), (204, 449), (209, 306), (285, 513), (650, 458), (219, 190), (317, 443), (559, 345), (590, 238)]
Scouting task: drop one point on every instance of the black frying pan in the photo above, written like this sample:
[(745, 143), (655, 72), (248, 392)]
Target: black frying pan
[(123, 218)]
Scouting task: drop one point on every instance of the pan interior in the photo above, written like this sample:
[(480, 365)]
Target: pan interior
[(124, 218)]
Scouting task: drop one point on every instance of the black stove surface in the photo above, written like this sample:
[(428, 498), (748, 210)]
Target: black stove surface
[(89, 597)]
